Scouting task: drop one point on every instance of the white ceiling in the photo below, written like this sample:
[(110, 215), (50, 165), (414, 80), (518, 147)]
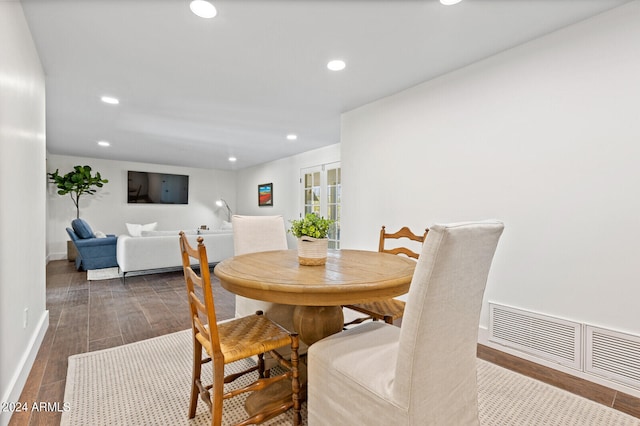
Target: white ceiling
[(195, 91)]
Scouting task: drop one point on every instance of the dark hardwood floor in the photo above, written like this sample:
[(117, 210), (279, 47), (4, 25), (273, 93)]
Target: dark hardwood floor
[(593, 391), (86, 316)]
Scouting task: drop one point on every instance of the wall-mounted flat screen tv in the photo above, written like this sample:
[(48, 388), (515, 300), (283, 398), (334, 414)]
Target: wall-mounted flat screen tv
[(157, 188)]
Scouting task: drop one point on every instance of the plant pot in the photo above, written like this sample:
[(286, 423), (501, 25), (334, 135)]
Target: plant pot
[(72, 251), (312, 251)]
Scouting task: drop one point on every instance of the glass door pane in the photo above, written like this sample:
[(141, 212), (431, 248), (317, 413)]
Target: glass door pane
[(334, 186), (312, 187), (322, 187)]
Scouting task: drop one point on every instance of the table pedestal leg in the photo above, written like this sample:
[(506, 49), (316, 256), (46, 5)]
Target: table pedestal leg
[(312, 324), (317, 322)]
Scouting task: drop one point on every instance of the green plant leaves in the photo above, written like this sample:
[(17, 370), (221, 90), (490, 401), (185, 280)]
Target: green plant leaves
[(77, 182), (311, 225)]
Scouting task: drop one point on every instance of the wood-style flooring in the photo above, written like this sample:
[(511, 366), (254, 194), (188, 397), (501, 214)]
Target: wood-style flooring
[(86, 316)]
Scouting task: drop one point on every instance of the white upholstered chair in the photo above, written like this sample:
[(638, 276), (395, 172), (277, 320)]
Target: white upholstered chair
[(252, 234), (423, 373)]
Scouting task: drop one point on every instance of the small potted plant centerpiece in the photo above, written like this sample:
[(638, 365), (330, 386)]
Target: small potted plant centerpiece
[(313, 243)]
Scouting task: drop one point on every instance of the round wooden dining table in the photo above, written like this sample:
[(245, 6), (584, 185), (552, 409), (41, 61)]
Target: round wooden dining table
[(318, 292)]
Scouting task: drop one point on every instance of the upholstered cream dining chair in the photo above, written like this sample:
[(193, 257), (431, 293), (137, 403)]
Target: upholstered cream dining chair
[(252, 234), (423, 373)]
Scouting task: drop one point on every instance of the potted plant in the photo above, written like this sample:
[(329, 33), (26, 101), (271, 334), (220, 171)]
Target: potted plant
[(313, 243), (77, 182)]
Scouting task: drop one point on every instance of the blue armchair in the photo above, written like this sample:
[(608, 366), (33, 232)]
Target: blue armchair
[(93, 252)]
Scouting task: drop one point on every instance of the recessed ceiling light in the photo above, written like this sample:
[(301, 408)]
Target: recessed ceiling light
[(336, 65), (292, 137), (110, 100), (203, 9), (104, 143), (449, 2), (233, 159)]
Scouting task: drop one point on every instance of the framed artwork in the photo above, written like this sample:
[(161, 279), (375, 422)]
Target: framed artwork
[(265, 194)]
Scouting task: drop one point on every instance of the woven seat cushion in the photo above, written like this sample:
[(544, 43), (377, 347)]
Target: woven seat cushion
[(247, 336), (393, 308)]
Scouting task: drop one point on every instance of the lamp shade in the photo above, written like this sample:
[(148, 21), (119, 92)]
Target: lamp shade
[(220, 202)]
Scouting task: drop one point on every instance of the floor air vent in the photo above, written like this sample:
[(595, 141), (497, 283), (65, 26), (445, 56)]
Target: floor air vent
[(547, 337), (613, 355)]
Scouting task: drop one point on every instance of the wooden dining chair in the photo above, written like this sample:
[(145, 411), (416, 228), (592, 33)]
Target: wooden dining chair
[(253, 234), (388, 310), (230, 341)]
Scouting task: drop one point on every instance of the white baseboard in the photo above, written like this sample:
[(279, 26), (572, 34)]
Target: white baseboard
[(17, 382), (56, 256), (483, 339)]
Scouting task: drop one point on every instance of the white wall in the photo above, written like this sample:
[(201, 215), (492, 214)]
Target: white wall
[(22, 195), (545, 137), (108, 210), (285, 175)]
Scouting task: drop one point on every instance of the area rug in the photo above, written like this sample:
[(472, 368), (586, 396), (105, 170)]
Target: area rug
[(113, 273), (147, 383), (103, 274)]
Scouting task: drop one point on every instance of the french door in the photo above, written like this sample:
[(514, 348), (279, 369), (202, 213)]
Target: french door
[(321, 194)]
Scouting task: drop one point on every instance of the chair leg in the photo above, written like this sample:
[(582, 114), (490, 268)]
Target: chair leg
[(295, 380), (218, 391), (261, 371), (358, 321), (195, 377), (261, 366)]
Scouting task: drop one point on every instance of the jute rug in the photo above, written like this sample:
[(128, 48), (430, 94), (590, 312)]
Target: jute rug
[(103, 274), (147, 383), (111, 273)]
